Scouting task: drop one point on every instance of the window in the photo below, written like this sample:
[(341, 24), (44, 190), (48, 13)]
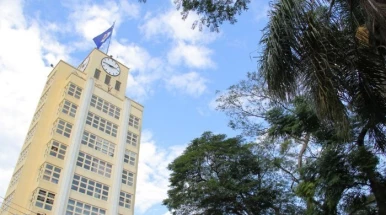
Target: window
[(102, 124), (117, 85), (132, 138), (127, 177), (75, 207), (30, 134), (7, 201), (49, 81), (94, 164), (125, 200), (23, 155), (74, 90), (44, 199), (130, 157), (50, 173), (64, 128), (15, 177), (90, 187), (97, 73), (105, 107), (68, 108), (134, 121), (43, 98), (37, 114), (107, 80), (57, 149), (98, 143)]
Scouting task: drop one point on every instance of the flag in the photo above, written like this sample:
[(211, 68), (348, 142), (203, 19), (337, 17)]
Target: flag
[(100, 39)]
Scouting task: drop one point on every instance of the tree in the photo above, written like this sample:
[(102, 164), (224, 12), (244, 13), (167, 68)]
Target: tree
[(219, 175), (330, 173), (212, 12)]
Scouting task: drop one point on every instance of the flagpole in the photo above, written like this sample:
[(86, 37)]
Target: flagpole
[(108, 46)]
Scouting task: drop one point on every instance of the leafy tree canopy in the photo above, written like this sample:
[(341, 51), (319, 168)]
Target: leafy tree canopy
[(219, 175)]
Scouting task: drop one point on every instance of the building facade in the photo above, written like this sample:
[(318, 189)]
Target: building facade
[(80, 155)]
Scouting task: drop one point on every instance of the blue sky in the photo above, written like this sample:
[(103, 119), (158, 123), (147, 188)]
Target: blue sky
[(175, 72)]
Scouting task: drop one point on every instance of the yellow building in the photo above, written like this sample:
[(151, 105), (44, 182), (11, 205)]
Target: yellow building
[(80, 155)]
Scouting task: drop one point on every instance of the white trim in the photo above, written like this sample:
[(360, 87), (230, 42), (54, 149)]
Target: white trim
[(116, 187), (73, 149)]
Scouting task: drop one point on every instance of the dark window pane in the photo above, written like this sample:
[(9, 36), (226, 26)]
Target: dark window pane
[(117, 85), (107, 79), (97, 73)]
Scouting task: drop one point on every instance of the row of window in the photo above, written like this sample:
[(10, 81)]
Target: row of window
[(102, 124), (94, 164), (130, 157), (37, 115), (134, 121), (74, 90), (30, 133), (68, 108), (98, 143), (58, 150), (23, 155), (105, 106), (49, 81), (6, 203), (62, 127), (125, 200), (90, 187), (15, 177), (75, 207), (43, 98), (131, 138), (127, 177), (97, 74), (50, 173), (45, 199)]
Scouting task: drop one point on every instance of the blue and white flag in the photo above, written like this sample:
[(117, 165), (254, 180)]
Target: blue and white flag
[(101, 39)]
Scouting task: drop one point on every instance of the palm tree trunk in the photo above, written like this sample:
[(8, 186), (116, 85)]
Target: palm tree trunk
[(378, 188)]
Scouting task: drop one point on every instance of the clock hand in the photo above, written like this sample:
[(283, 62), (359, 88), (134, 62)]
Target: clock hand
[(111, 66)]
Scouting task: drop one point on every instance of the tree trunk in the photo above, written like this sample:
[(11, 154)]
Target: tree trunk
[(379, 190), (301, 153), (378, 187)]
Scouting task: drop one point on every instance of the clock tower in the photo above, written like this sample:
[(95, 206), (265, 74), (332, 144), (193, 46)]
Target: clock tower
[(80, 155)]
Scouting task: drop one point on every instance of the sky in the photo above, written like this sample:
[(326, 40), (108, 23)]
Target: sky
[(175, 73)]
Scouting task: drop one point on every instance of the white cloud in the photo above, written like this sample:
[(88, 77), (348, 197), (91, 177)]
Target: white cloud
[(171, 25), (145, 69), (91, 19), (24, 47), (191, 83), (153, 176), (196, 56)]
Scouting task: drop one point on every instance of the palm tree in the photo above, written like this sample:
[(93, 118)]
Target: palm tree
[(332, 53)]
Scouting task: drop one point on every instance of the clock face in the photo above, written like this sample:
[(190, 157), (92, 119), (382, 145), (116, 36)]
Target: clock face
[(83, 66), (110, 66)]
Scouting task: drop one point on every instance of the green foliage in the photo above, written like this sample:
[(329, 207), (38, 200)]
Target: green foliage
[(216, 175)]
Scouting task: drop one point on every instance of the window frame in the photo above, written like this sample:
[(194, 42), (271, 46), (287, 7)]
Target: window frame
[(51, 175), (90, 187), (98, 143), (117, 85), (45, 198), (128, 177), (94, 164), (125, 199), (75, 207), (129, 158)]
